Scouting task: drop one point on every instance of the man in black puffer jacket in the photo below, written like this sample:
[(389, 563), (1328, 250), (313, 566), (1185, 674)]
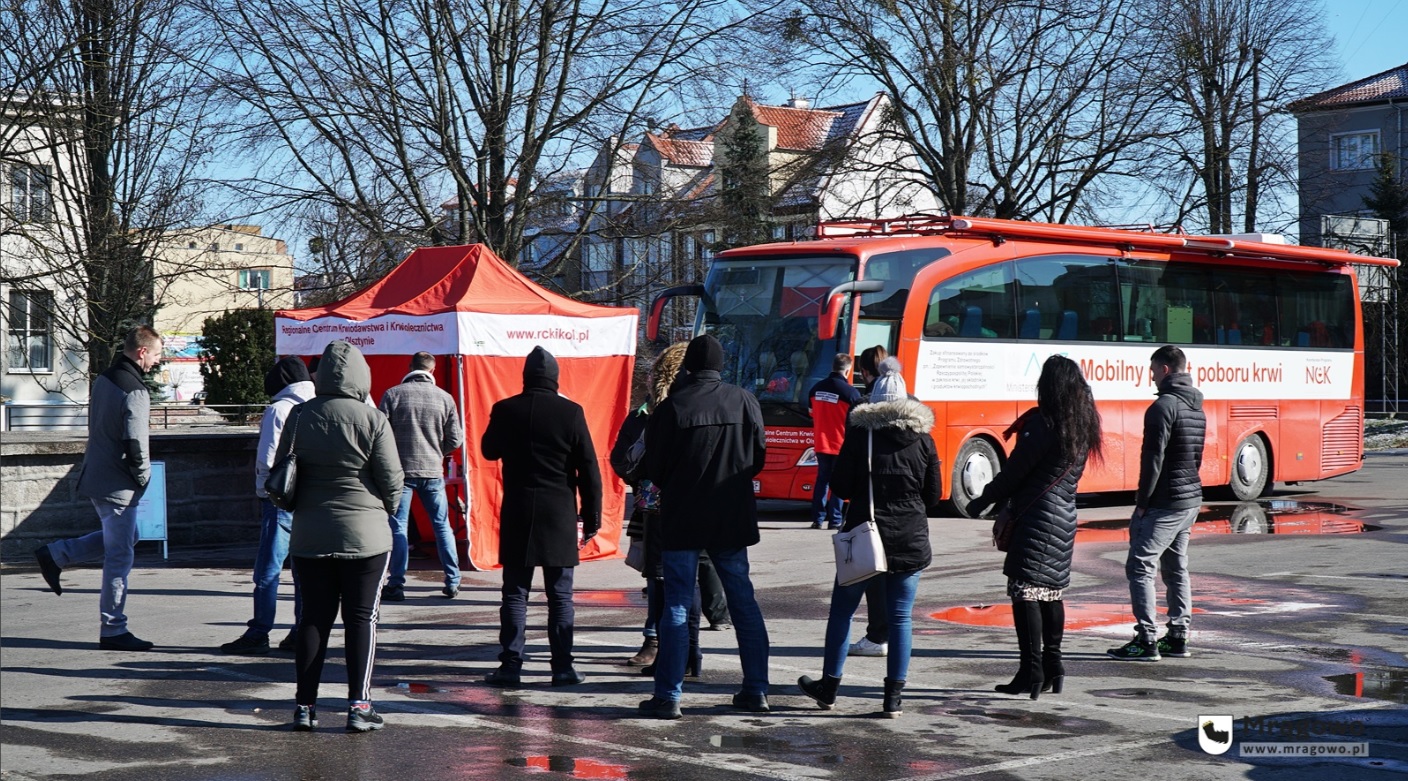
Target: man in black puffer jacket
[(1170, 494)]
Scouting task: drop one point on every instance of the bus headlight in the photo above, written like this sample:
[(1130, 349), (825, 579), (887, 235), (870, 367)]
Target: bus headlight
[(808, 458)]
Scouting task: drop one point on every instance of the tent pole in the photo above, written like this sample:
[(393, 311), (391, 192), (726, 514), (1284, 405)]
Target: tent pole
[(464, 466)]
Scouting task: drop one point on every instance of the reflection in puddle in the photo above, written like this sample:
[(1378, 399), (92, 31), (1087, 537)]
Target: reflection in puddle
[(1078, 615), (609, 598), (417, 688), (1380, 684), (573, 766), (1269, 516)]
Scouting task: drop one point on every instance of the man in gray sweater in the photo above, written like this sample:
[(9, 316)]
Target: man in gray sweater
[(427, 428), (116, 468)]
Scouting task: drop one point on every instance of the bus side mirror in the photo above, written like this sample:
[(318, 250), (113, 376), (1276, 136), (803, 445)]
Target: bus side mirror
[(829, 314), (657, 307)]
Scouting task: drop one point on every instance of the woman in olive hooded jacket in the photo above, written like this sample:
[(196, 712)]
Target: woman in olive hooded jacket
[(349, 484)]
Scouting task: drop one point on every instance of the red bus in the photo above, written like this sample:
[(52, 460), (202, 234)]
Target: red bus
[(972, 307)]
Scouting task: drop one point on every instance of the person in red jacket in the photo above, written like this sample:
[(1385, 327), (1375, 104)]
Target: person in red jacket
[(830, 401)]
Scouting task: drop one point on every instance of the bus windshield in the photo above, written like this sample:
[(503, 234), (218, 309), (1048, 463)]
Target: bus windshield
[(764, 313)]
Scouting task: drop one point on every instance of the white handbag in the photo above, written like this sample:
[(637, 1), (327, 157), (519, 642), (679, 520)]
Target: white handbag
[(860, 554)]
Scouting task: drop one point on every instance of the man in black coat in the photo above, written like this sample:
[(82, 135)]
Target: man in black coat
[(548, 463), (1170, 495), (703, 446)]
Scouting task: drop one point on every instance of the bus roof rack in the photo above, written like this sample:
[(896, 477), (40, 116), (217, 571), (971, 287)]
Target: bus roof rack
[(1131, 240)]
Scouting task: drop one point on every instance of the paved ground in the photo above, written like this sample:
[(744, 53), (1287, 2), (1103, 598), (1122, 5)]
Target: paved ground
[(1299, 629)]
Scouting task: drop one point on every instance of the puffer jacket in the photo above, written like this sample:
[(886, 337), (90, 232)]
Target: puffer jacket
[(1041, 486), (349, 474), (1174, 432), (905, 465)]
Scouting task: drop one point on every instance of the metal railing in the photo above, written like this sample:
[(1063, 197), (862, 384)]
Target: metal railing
[(73, 416)]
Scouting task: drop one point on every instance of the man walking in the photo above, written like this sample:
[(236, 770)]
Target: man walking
[(289, 383), (116, 468), (703, 445), (1170, 494), (549, 463), (427, 428), (831, 401)]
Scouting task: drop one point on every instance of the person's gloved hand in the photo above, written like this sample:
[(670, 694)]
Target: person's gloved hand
[(976, 507)]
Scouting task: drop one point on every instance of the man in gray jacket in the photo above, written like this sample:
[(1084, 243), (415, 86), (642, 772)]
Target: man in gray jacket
[(427, 428), (116, 468), (289, 383)]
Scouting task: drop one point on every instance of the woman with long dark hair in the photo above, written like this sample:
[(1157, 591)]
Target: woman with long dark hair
[(1039, 484)]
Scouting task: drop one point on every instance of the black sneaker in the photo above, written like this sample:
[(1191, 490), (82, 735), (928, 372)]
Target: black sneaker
[(1177, 647), (754, 703), (506, 677), (660, 708), (1135, 650), (818, 525), (290, 641), (247, 645), (393, 594), (450, 592), (124, 642), (305, 718), (364, 719), (568, 678), (49, 568)]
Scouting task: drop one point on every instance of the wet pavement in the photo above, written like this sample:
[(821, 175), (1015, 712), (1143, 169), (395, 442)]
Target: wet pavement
[(1301, 627)]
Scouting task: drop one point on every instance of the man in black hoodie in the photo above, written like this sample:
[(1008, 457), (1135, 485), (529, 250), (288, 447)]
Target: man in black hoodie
[(548, 462), (703, 446), (1170, 494)]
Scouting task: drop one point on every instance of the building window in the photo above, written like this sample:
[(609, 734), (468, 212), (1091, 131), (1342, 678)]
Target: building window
[(255, 279), (598, 263), (1354, 151), (239, 248), (190, 245), (30, 199), (31, 330)]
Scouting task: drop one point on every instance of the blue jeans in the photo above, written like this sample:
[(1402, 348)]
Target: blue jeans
[(431, 491), (900, 588), (1158, 540), (826, 505), (268, 568), (113, 544), (681, 575)]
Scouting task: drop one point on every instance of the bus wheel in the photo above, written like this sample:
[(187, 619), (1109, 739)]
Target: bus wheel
[(1251, 469), (974, 467)]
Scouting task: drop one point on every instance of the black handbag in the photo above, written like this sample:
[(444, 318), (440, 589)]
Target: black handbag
[(282, 484)]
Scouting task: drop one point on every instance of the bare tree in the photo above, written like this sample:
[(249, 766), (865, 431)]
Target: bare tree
[(1015, 108), (103, 98), (381, 110), (1232, 67)]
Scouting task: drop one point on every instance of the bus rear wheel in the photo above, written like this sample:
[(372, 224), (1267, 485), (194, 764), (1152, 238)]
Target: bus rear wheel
[(975, 466), (1251, 469)]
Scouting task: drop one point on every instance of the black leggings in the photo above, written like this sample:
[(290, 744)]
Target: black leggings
[(326, 583)]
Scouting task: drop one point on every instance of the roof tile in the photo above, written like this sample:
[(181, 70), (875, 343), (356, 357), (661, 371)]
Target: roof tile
[(1392, 84)]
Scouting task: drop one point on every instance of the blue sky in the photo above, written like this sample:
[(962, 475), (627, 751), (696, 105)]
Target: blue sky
[(1370, 35)]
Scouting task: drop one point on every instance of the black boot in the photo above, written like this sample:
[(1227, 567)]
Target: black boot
[(893, 689), (647, 653), (823, 691), (1053, 628), (1026, 616)]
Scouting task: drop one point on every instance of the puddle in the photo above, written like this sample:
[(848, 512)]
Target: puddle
[(747, 741), (610, 598), (1389, 684), (572, 767), (1078, 615), (1268, 516), (416, 688)]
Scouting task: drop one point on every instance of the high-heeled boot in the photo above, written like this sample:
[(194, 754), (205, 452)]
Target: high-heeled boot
[(1026, 617), (823, 691), (1053, 628), (893, 691), (646, 655)]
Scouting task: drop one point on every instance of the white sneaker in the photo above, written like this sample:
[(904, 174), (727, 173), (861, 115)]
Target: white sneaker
[(866, 648)]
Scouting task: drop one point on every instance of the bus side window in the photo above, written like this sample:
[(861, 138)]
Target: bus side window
[(1066, 297), (975, 305), (1170, 303)]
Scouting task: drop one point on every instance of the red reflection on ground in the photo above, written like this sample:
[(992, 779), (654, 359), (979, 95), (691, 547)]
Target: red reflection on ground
[(1273, 516), (576, 767), (610, 598), (1078, 615)]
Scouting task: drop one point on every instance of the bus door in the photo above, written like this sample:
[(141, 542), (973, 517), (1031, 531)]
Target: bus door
[(879, 320)]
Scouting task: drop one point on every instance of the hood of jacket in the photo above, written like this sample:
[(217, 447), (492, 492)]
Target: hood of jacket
[(903, 416), (1180, 384), (297, 392), (344, 372), (284, 373), (540, 370)]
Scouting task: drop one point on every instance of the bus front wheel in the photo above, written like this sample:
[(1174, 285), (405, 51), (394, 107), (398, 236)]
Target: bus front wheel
[(974, 467), (1251, 469)]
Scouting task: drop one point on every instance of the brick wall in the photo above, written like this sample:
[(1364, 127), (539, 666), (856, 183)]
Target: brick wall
[(209, 488)]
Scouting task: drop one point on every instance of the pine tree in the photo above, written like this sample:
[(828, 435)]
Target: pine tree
[(239, 349), (745, 193), (1388, 200)]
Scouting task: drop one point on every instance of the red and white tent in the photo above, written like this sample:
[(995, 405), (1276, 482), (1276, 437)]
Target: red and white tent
[(481, 318)]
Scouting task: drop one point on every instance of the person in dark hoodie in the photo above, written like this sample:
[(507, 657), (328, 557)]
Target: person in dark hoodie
[(1170, 494), (116, 467), (703, 446), (289, 384), (888, 469), (551, 480), (1039, 480)]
